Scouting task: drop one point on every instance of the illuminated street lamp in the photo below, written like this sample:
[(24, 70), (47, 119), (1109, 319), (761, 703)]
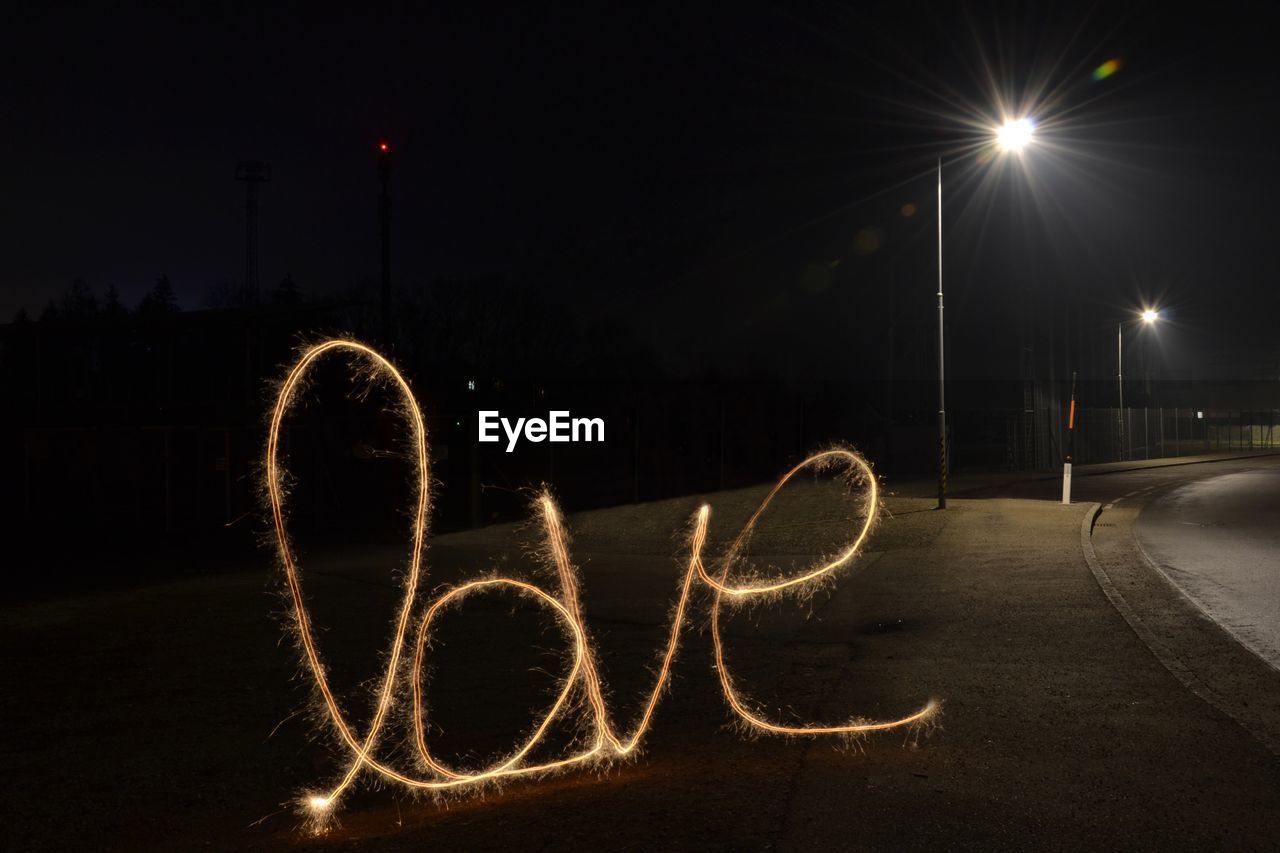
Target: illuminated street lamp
[(1011, 137), (1015, 134), (1148, 317)]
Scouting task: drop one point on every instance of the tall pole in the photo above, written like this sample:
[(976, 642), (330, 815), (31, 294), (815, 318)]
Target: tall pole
[(1120, 382), (252, 172), (251, 240), (384, 220), (942, 366)]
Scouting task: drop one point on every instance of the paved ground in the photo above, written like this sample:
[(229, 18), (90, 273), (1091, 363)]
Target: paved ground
[(168, 717), (1218, 540)]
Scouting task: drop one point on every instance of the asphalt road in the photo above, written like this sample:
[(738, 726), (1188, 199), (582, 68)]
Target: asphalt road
[(1217, 539)]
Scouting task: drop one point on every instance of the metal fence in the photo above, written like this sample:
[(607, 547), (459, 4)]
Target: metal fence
[(1111, 434)]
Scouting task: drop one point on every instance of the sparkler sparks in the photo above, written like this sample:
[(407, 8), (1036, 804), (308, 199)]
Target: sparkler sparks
[(582, 681)]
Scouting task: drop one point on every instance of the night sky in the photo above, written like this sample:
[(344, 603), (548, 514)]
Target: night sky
[(722, 182)]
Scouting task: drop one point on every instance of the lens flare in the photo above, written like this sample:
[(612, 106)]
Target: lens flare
[(1106, 69), (581, 690)]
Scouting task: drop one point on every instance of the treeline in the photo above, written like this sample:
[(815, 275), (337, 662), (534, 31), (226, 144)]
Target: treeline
[(89, 358), (80, 302)]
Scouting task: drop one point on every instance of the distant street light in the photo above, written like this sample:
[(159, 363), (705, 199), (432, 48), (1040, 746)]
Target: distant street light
[(1011, 137), (1149, 316)]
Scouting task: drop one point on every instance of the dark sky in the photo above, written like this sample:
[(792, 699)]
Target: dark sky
[(692, 170)]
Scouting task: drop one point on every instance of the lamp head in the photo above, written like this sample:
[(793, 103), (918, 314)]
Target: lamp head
[(1150, 316), (1015, 134)]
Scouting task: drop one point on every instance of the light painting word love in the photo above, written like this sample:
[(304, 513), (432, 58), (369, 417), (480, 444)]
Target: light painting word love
[(411, 636)]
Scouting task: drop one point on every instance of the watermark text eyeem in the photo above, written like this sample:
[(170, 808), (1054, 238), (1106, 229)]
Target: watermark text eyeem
[(558, 427)]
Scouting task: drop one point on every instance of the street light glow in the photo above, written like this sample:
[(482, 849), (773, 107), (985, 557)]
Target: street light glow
[(1015, 134), (1150, 316)]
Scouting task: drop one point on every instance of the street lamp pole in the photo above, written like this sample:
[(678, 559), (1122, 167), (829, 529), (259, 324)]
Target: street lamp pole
[(942, 366), (384, 222), (1149, 316), (1120, 382), (1012, 136)]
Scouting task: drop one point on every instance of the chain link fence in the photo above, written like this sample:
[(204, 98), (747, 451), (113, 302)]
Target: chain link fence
[(1113, 434)]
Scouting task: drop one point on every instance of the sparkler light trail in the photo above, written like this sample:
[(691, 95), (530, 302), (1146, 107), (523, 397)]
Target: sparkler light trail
[(582, 680)]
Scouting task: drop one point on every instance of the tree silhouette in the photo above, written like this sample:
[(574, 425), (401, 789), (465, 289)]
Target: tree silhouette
[(226, 294), (112, 306), (286, 292), (160, 300), (79, 303)]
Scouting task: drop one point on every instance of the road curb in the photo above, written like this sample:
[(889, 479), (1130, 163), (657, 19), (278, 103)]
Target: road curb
[(1162, 653)]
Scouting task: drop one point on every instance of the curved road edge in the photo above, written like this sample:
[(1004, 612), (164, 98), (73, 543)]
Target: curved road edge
[(1205, 658)]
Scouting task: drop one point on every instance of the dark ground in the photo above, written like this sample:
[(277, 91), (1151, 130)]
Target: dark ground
[(167, 717)]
